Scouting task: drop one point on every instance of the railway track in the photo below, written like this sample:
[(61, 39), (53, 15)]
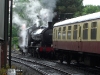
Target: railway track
[(50, 67), (42, 68)]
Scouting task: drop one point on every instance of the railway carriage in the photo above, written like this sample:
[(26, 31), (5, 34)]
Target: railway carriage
[(78, 39)]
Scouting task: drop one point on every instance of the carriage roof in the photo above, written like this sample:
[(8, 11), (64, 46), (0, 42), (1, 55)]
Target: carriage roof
[(79, 19)]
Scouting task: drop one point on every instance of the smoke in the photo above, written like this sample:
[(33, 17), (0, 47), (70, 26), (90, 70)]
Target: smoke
[(22, 25), (23, 35), (40, 12), (18, 20), (46, 16), (34, 8), (42, 8)]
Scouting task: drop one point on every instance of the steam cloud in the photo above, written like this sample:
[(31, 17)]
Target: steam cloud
[(43, 9), (39, 11), (18, 20)]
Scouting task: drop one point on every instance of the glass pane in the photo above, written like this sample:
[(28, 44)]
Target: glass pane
[(64, 35), (85, 34), (93, 33), (69, 35), (94, 24), (75, 34), (85, 25), (69, 27)]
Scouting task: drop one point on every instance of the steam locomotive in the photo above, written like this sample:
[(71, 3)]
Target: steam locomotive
[(40, 41)]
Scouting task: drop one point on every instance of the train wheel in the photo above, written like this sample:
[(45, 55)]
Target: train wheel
[(38, 54), (68, 62), (52, 55), (32, 53), (61, 59), (68, 59)]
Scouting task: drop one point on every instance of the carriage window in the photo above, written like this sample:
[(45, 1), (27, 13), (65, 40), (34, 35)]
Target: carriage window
[(93, 30), (85, 25), (75, 32), (64, 33), (69, 27), (69, 32), (59, 33), (54, 34), (85, 31)]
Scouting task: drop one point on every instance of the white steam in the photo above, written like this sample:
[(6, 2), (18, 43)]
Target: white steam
[(23, 36), (18, 20), (40, 12), (42, 8)]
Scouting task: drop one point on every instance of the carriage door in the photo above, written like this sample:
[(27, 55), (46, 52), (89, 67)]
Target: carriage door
[(80, 39), (55, 38)]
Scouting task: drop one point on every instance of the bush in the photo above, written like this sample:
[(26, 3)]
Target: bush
[(3, 71)]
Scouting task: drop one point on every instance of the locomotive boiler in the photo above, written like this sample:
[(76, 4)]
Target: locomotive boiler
[(40, 44)]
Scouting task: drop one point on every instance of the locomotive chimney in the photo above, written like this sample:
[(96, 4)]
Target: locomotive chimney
[(50, 25)]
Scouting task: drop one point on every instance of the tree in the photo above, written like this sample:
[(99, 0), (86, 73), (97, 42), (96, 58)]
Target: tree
[(90, 9), (14, 41), (68, 8), (15, 35), (15, 31)]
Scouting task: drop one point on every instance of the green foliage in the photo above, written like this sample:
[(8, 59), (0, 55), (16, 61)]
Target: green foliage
[(90, 9), (14, 31), (87, 10), (61, 8), (4, 70), (14, 41), (69, 7), (14, 34)]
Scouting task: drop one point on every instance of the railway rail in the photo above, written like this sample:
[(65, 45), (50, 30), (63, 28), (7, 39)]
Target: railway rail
[(51, 68), (43, 69)]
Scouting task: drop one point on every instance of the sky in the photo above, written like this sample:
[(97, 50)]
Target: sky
[(92, 2)]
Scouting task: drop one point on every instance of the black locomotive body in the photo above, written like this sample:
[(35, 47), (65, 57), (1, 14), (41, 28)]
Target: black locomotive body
[(40, 42)]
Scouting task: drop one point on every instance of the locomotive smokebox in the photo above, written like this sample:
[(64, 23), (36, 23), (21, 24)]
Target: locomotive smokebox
[(50, 25)]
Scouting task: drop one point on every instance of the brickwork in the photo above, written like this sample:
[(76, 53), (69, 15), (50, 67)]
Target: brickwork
[(3, 54)]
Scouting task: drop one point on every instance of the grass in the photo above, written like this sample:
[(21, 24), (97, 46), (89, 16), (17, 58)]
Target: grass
[(3, 71)]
